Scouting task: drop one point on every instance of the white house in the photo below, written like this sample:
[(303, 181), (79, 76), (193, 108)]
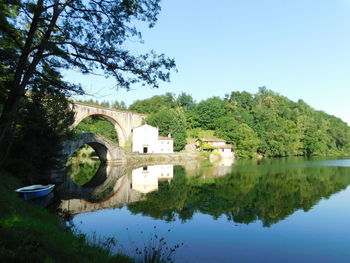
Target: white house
[(146, 139), (215, 145), (145, 179)]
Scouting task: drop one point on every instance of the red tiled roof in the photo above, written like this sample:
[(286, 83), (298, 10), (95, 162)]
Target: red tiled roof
[(164, 138)]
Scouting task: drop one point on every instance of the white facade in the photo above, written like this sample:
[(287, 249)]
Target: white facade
[(146, 139), (165, 145), (145, 179), (218, 145)]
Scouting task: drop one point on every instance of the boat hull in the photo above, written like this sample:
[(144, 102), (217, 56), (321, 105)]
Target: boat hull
[(35, 193)]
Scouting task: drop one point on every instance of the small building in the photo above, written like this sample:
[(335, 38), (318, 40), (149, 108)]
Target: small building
[(146, 139), (215, 145), (165, 144)]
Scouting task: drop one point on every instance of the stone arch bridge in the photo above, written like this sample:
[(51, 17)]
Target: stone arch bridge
[(106, 150), (123, 121)]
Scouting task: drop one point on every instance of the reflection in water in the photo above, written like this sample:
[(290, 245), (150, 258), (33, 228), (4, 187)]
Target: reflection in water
[(105, 178), (276, 210), (82, 166), (117, 196), (145, 179), (250, 193), (111, 187), (208, 169), (247, 193)]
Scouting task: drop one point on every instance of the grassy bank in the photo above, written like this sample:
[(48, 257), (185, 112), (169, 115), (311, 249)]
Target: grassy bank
[(29, 233)]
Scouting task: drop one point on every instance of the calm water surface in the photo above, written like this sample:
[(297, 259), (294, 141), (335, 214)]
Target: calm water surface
[(275, 210)]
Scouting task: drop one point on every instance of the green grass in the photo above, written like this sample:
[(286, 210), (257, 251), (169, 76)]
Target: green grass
[(29, 233)]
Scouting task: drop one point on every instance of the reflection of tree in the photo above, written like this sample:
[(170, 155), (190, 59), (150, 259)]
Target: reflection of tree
[(265, 193), (82, 168), (169, 199)]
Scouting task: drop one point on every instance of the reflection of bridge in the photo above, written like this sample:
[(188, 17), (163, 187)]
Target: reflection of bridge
[(112, 187), (114, 192)]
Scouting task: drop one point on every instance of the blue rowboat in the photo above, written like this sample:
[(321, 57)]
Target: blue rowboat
[(35, 191)]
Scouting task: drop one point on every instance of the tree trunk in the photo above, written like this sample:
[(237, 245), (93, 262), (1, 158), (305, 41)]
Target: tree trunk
[(7, 124)]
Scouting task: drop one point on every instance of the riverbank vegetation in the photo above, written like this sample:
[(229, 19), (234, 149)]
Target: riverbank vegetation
[(43, 123), (29, 233)]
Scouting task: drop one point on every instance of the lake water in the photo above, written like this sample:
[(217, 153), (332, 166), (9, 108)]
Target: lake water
[(274, 210)]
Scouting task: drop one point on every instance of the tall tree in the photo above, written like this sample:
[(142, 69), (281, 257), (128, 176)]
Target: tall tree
[(186, 101), (43, 122), (243, 138), (87, 35), (207, 112)]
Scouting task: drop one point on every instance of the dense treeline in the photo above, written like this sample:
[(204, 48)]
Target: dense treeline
[(266, 122)]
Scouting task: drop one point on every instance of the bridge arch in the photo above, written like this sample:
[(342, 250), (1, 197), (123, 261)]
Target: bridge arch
[(121, 133), (123, 121), (105, 149)]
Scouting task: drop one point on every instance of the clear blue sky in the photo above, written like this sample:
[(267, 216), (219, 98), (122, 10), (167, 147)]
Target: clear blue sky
[(298, 48)]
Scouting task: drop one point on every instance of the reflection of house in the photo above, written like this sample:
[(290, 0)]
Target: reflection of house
[(145, 179), (225, 162), (146, 139), (165, 172), (215, 145), (219, 168)]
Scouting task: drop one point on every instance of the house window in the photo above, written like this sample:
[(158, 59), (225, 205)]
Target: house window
[(145, 149), (145, 168)]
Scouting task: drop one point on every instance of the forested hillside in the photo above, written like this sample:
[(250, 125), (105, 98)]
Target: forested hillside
[(266, 123)]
